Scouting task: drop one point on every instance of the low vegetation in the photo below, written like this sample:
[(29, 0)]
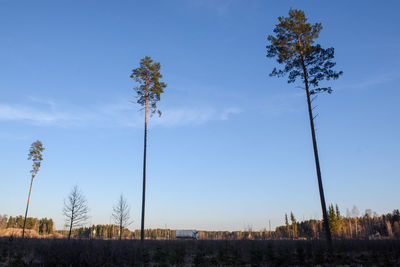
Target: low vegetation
[(92, 252)]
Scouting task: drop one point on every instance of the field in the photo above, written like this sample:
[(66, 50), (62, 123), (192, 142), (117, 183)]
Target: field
[(80, 252)]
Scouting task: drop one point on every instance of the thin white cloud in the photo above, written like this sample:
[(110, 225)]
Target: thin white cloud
[(372, 81), (193, 116), (281, 103), (44, 101), (226, 113), (118, 114), (33, 115), (184, 116)]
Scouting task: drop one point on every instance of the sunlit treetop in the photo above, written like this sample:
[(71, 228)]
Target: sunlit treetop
[(148, 76), (35, 154), (293, 45)]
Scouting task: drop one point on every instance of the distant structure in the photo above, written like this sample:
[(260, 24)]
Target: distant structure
[(187, 234)]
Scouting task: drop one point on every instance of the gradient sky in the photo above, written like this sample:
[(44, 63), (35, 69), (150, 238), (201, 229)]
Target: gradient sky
[(233, 147)]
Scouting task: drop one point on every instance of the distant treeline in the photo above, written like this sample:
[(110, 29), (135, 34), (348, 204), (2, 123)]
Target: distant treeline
[(107, 231), (112, 232), (42, 226), (368, 226)]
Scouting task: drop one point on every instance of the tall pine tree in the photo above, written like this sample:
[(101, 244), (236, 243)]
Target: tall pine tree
[(293, 46), (148, 93), (35, 154)]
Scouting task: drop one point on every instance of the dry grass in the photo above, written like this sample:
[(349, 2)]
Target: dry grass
[(17, 232), (29, 233), (62, 252)]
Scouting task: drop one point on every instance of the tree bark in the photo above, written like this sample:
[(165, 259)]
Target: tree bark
[(70, 229), (27, 205), (144, 166), (351, 232), (71, 221), (314, 141), (356, 226), (120, 228)]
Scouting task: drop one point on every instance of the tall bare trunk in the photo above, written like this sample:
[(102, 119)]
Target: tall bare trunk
[(27, 205), (144, 166), (314, 141)]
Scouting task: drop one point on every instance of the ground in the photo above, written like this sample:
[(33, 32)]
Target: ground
[(63, 252)]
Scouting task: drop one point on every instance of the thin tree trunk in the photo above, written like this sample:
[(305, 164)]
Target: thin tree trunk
[(120, 232), (144, 167), (71, 221), (27, 205), (321, 189), (356, 227), (70, 230), (351, 232)]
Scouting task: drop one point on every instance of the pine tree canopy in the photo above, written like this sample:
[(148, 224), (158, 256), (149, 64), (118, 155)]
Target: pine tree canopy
[(293, 45), (148, 76), (35, 154)]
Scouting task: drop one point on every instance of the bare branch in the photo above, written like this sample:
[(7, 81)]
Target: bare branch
[(75, 210), (312, 99), (121, 215), (314, 107)]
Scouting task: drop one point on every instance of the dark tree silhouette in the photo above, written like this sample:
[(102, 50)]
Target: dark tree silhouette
[(121, 214), (75, 209), (293, 45), (35, 154), (148, 93)]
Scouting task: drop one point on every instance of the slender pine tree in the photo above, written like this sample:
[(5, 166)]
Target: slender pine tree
[(148, 94), (293, 46), (35, 154)]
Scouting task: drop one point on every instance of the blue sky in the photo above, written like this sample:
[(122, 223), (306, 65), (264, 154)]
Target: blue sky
[(233, 147)]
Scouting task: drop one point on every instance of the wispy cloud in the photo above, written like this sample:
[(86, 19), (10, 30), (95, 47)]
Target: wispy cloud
[(117, 114), (226, 113), (45, 101), (193, 116), (33, 115), (372, 81), (281, 103)]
